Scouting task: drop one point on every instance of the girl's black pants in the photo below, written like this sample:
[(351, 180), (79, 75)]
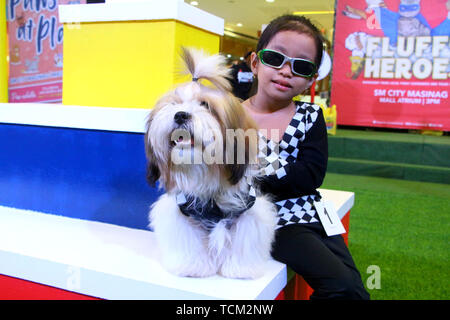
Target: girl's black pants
[(324, 262)]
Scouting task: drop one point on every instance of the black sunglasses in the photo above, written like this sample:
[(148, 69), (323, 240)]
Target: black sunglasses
[(275, 59)]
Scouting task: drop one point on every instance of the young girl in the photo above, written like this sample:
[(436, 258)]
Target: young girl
[(285, 64)]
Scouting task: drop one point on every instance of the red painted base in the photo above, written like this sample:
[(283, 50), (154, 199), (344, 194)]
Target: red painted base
[(18, 289)]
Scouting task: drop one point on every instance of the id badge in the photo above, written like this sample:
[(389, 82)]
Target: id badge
[(329, 218)]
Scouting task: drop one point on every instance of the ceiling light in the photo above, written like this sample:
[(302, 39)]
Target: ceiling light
[(194, 3), (314, 12), (270, 0), (239, 24)]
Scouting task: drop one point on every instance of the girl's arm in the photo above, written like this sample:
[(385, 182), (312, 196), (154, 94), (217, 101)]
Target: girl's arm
[(306, 174)]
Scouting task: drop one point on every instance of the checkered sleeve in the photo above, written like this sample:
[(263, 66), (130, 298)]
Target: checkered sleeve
[(306, 173)]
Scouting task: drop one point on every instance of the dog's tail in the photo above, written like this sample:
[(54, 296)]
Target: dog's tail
[(212, 68)]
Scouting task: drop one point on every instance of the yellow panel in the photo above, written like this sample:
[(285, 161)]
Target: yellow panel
[(3, 62), (117, 64), (126, 64)]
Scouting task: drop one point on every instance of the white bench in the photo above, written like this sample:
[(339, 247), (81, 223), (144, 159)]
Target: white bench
[(112, 262)]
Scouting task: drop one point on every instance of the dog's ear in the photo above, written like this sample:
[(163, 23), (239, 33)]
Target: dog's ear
[(236, 172), (244, 140), (153, 172)]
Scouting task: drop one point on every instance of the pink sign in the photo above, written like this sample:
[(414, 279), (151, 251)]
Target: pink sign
[(35, 50), (392, 64)]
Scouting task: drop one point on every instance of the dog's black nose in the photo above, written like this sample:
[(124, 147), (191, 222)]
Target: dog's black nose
[(181, 117)]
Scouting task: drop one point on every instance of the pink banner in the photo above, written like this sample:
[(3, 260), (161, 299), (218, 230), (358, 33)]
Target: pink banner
[(391, 63), (35, 50)]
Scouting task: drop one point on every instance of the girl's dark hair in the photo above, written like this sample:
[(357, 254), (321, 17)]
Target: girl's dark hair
[(292, 23)]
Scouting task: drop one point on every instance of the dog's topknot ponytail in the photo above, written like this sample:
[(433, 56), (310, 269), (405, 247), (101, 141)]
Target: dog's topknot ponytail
[(212, 68)]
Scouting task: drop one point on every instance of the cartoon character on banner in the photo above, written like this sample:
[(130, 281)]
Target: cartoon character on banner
[(356, 43), (58, 60), (32, 66), (14, 55), (368, 14)]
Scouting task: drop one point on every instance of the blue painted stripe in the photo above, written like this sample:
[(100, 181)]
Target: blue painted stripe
[(85, 174)]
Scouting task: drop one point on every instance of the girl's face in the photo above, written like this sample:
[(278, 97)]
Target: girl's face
[(282, 84)]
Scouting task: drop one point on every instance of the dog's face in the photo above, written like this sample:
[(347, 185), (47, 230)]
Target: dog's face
[(192, 139)]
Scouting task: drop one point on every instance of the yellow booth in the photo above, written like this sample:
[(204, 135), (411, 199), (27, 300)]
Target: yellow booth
[(126, 53)]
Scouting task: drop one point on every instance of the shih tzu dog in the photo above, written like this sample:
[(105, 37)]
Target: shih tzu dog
[(202, 148)]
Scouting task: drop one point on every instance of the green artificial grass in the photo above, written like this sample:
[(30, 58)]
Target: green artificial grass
[(403, 228), (391, 136), (399, 148), (392, 170)]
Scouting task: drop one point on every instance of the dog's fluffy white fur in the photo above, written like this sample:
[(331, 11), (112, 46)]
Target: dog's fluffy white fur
[(236, 247)]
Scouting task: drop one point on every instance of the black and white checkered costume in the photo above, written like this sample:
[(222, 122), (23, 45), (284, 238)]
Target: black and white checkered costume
[(295, 167)]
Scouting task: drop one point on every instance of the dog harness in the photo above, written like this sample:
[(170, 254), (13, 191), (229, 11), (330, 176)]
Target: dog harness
[(209, 214)]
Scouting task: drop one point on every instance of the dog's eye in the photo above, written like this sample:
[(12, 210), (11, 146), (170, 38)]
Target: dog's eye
[(205, 104)]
